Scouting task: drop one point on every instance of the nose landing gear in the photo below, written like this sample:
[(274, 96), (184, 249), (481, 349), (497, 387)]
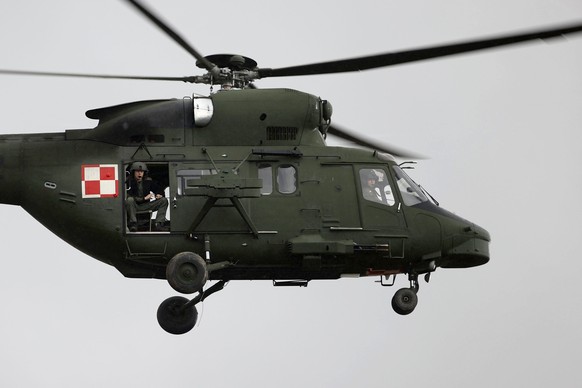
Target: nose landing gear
[(405, 300)]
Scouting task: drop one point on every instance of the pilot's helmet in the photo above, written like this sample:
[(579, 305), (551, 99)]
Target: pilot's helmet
[(139, 166), (372, 175)]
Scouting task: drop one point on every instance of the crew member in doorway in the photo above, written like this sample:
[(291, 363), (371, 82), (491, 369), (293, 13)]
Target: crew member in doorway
[(145, 194)]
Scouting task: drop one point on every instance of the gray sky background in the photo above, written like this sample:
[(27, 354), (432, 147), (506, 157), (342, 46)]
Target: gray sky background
[(503, 132)]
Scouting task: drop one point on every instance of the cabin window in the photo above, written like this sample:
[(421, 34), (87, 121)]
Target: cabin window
[(375, 186), (266, 175), (286, 179)]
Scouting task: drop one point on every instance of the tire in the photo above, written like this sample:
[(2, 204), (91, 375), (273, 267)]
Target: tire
[(404, 301), (175, 320), (186, 272)]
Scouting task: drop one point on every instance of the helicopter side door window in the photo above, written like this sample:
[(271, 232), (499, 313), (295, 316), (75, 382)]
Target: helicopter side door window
[(266, 175), (286, 179), (375, 186)]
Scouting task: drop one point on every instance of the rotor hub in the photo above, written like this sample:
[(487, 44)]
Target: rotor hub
[(234, 71), (230, 61)]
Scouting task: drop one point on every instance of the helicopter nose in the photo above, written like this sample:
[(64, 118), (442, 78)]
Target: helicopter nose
[(470, 248)]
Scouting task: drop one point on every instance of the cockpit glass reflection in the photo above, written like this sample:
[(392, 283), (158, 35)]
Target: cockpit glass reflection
[(411, 193)]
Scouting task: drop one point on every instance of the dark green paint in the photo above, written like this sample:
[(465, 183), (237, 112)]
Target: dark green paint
[(323, 229)]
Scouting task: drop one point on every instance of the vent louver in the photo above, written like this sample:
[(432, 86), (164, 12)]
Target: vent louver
[(282, 133)]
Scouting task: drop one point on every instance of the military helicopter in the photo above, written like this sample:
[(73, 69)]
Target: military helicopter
[(253, 191)]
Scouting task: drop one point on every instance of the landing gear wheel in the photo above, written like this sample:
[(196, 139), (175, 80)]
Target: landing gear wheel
[(404, 301), (186, 272), (174, 318)]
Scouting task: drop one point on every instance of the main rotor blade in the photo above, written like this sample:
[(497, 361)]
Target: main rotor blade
[(373, 144), (81, 75), (391, 59), (211, 67)]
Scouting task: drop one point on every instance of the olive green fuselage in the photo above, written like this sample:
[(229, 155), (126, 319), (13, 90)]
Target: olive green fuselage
[(254, 185)]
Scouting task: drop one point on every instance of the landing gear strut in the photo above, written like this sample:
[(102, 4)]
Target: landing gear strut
[(187, 273), (178, 315), (405, 299)]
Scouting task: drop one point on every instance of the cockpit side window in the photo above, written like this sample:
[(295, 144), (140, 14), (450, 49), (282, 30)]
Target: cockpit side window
[(375, 186), (411, 193)]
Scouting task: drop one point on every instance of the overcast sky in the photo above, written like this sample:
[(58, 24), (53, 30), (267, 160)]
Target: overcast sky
[(503, 132)]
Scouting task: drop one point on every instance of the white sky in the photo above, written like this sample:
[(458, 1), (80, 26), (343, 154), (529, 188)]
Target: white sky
[(503, 133)]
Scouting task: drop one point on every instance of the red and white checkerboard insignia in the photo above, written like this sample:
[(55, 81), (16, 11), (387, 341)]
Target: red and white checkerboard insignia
[(100, 180)]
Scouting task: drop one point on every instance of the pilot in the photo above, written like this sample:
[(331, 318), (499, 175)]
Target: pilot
[(144, 194), (370, 191)]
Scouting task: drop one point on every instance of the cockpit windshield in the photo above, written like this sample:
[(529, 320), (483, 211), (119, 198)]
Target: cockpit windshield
[(411, 193)]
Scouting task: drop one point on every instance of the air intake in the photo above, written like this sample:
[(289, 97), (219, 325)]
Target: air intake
[(282, 133)]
